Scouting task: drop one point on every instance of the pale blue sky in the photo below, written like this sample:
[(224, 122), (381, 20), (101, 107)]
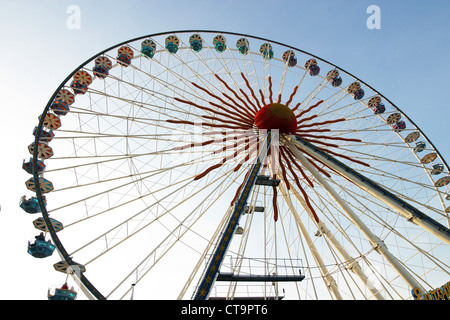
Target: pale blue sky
[(407, 60)]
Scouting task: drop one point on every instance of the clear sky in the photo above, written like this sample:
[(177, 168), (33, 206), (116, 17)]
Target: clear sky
[(407, 60)]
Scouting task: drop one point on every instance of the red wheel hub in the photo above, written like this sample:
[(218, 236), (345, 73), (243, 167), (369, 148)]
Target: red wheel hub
[(276, 116)]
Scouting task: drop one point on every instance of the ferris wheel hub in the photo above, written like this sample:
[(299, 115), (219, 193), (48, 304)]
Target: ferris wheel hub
[(276, 116)]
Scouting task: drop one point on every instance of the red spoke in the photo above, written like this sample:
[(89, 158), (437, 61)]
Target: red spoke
[(312, 130), (302, 172), (204, 173), (328, 137), (252, 92), (296, 107), (262, 97), (236, 95), (237, 112), (270, 89), (306, 119), (202, 124), (244, 110), (305, 196), (274, 203), (242, 125), (292, 97), (320, 123), (230, 147), (309, 109), (238, 118), (193, 145), (283, 170), (221, 100), (291, 170)]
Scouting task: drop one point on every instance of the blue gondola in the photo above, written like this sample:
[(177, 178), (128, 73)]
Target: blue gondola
[(196, 46), (30, 205), (219, 43), (78, 87), (266, 51), (314, 70), (41, 248), (147, 52), (60, 107), (399, 126), (64, 293), (243, 46), (100, 71), (148, 48), (172, 43), (124, 56), (102, 66), (336, 81), (380, 108), (420, 146), (28, 166), (124, 59), (45, 136), (358, 94), (289, 57), (292, 62), (437, 169), (196, 43)]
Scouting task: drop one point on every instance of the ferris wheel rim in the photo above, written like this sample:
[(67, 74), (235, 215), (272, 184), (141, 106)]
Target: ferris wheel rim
[(45, 215)]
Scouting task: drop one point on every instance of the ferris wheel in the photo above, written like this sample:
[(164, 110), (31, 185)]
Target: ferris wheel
[(213, 165)]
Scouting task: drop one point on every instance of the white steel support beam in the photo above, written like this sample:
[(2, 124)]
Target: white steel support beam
[(376, 242), (329, 280), (351, 263), (405, 209)]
